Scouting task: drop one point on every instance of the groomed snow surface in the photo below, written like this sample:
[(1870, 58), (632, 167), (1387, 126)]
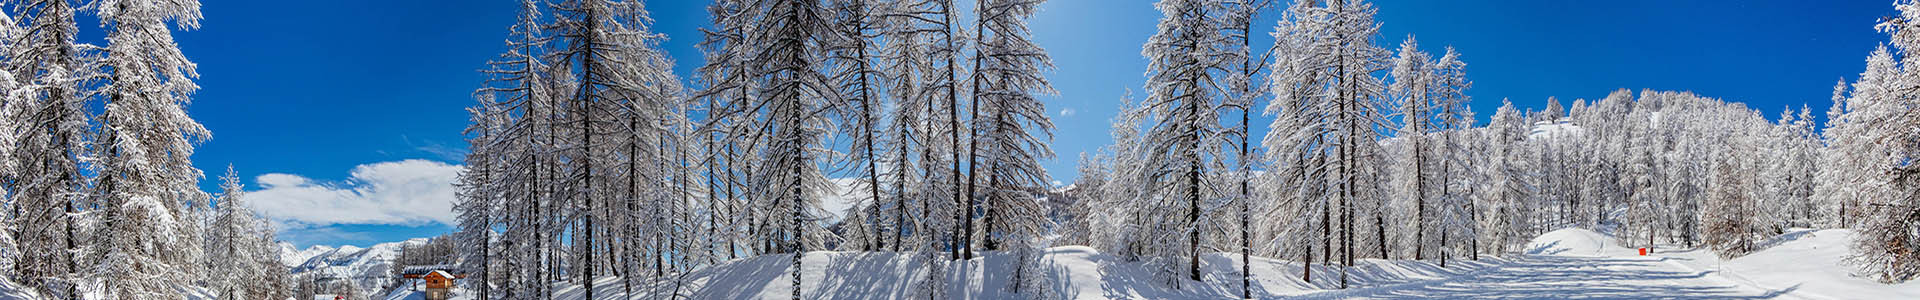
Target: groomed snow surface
[(1563, 264)]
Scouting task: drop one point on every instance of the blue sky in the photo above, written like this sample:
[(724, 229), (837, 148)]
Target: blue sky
[(360, 102)]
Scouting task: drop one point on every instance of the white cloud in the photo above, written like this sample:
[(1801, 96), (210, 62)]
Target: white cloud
[(407, 192), (1067, 112)]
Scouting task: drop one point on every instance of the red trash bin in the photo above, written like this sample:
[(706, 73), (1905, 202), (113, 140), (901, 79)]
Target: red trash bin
[(1643, 251)]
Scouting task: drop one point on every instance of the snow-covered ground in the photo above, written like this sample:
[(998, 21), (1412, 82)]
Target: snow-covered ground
[(1564, 264), (1076, 273), (12, 291), (1804, 262), (1801, 264)]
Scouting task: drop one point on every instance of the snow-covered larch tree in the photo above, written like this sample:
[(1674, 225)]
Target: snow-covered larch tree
[(1182, 100), (1014, 133), (1885, 244), (244, 243), (49, 111), (856, 71), (9, 250), (1413, 86), (791, 122), (479, 196), (1243, 93), (1327, 96), (145, 243)]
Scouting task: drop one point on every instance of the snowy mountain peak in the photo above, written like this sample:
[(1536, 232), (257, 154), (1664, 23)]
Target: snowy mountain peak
[(368, 267)]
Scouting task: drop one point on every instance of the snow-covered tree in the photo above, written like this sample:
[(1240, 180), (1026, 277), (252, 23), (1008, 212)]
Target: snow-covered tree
[(1731, 215), (726, 87), (1414, 86), (856, 71), (244, 243), (903, 66), (1180, 146), (790, 123), (1886, 245), (9, 250), (53, 130), (920, 64), (146, 241), (1326, 98), (1455, 220), (1852, 164), (480, 195), (520, 81), (1013, 133), (1786, 180)]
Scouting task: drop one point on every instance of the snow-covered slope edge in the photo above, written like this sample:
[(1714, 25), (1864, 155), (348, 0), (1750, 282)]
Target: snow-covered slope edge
[(12, 291), (1808, 263)]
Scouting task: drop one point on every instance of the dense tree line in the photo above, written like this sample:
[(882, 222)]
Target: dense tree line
[(1363, 138), (101, 194), (590, 159)]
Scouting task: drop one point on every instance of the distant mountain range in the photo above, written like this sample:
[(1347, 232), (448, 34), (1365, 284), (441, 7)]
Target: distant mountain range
[(367, 267)]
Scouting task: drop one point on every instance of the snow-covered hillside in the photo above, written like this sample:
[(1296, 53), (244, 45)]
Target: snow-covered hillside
[(367, 267)]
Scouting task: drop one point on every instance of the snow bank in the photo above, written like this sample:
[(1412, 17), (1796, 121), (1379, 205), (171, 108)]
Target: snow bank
[(1809, 262), (1805, 263), (12, 291), (1075, 272), (1576, 242)]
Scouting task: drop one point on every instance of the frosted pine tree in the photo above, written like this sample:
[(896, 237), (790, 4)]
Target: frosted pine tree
[(1885, 243), (1645, 182), (1325, 91), (1180, 143), (480, 193), (856, 70), (1731, 212), (1013, 137), (726, 89), (793, 95), (1458, 227), (1413, 85), (54, 129), (904, 65), (9, 171), (1830, 191), (244, 245), (1244, 93), (520, 80), (1505, 183), (145, 241), (1116, 207), (1850, 173), (920, 55)]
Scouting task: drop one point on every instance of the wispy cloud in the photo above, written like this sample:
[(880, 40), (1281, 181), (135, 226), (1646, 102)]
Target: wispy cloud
[(407, 192), (435, 148), (302, 235), (1068, 112)]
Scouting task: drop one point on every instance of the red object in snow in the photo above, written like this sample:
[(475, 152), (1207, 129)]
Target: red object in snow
[(1643, 251)]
